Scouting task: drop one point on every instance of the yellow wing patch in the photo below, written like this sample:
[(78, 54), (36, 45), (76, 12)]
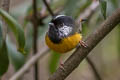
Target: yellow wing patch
[(66, 44)]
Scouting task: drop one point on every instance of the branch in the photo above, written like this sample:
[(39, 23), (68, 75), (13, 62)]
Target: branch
[(43, 15), (29, 63), (35, 26), (48, 8), (35, 35), (92, 40), (97, 76)]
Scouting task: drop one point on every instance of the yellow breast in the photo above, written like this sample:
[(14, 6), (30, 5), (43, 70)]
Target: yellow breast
[(66, 44)]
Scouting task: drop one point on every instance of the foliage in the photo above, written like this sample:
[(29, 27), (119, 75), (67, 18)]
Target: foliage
[(16, 28)]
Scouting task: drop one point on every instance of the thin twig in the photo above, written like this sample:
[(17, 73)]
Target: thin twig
[(43, 15), (35, 27), (92, 40), (97, 76), (48, 8), (29, 63)]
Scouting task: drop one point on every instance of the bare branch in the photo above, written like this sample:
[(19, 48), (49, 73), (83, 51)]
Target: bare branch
[(92, 40), (43, 15), (48, 8), (35, 35), (29, 63)]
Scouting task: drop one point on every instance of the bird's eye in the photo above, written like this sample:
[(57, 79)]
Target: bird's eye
[(51, 24)]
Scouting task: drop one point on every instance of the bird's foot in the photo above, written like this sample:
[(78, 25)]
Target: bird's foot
[(82, 43), (62, 66)]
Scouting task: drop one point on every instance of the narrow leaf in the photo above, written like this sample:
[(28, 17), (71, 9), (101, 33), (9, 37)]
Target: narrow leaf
[(16, 58), (103, 6), (16, 28), (29, 39), (4, 62)]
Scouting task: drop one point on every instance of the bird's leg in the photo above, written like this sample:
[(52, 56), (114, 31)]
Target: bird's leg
[(61, 64), (82, 43)]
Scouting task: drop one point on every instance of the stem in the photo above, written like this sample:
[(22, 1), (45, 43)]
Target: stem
[(35, 26), (48, 8)]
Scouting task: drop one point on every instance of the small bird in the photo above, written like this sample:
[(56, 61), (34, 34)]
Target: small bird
[(63, 34)]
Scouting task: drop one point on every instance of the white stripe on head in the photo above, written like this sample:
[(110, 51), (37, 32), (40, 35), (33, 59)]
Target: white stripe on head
[(51, 24), (58, 16)]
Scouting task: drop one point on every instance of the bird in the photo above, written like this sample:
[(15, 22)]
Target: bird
[(63, 34)]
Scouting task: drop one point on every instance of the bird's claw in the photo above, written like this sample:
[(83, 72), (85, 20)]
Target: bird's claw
[(82, 43), (62, 66)]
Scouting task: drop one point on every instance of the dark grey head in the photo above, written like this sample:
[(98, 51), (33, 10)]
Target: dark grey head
[(60, 27)]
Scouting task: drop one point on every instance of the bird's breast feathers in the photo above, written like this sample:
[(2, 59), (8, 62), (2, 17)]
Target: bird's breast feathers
[(66, 44)]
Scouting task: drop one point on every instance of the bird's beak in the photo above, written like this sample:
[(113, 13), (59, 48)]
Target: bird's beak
[(51, 24), (82, 20)]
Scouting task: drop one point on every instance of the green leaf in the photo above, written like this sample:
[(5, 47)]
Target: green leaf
[(16, 28), (29, 39), (103, 6), (16, 58), (4, 62), (54, 61)]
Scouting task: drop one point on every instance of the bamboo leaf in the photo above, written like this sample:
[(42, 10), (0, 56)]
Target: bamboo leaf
[(16, 58), (29, 39), (16, 28)]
